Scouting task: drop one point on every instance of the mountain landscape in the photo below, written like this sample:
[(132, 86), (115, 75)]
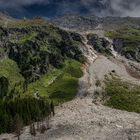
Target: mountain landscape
[(70, 77)]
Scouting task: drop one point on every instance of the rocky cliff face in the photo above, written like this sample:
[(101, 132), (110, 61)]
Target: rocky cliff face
[(132, 54)]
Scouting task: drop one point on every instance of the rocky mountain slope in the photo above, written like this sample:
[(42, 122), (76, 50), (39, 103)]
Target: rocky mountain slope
[(124, 31), (85, 117), (51, 57)]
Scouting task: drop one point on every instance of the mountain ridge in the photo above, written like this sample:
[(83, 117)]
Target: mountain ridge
[(91, 22)]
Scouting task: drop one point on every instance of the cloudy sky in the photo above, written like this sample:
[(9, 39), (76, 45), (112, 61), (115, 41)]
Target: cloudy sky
[(52, 8)]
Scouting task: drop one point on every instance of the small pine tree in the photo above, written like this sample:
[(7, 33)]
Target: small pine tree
[(98, 83), (42, 129), (47, 122), (52, 108), (38, 126), (25, 85), (10, 124), (18, 125), (32, 129)]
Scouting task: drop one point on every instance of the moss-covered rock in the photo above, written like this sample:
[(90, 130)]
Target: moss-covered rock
[(101, 45)]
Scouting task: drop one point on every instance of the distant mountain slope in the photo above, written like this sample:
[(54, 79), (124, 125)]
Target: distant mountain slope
[(5, 16), (77, 22), (91, 22)]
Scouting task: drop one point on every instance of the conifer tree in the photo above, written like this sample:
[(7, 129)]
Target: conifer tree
[(32, 129), (18, 126), (52, 108)]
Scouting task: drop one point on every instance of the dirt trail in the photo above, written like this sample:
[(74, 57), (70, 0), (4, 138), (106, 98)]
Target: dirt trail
[(86, 82)]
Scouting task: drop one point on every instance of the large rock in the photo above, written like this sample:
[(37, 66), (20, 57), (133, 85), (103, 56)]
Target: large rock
[(101, 45)]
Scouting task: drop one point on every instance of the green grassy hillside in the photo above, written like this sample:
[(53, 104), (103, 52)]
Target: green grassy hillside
[(59, 85)]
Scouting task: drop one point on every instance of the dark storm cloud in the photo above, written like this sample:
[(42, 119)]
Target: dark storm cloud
[(59, 7)]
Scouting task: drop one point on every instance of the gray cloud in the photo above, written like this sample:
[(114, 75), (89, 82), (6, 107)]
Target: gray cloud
[(115, 7), (97, 7), (126, 7)]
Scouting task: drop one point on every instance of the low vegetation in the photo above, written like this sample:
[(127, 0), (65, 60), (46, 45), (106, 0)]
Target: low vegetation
[(122, 95)]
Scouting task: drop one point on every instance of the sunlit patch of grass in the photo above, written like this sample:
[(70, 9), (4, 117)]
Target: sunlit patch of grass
[(10, 70), (122, 95), (59, 85)]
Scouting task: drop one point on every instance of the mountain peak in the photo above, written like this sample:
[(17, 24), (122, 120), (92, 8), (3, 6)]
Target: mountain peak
[(4, 15)]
